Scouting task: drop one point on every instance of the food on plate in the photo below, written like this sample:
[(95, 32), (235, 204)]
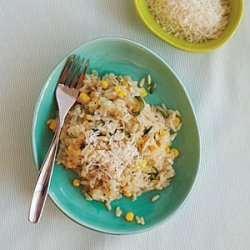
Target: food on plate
[(118, 212), (155, 198), (195, 21), (117, 143), (140, 220), (129, 216)]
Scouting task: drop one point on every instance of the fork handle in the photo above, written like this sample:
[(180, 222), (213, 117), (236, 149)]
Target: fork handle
[(43, 180)]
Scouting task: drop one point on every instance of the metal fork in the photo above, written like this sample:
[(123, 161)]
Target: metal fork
[(67, 92)]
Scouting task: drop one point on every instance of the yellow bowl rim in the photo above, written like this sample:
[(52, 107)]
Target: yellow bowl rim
[(189, 49)]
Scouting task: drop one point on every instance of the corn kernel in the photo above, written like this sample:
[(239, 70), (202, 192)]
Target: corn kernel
[(76, 183), (105, 84), (164, 132), (175, 152), (70, 148), (143, 92), (127, 194), (177, 121), (129, 216), (52, 124), (118, 89), (89, 117), (157, 136), (122, 94), (167, 148), (83, 98), (143, 163)]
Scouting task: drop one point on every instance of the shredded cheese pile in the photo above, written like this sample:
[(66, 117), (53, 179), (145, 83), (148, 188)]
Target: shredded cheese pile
[(193, 20)]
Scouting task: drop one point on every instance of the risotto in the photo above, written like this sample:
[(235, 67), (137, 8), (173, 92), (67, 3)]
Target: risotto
[(116, 142)]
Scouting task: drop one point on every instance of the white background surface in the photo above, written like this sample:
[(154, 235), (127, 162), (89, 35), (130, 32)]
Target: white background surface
[(34, 37)]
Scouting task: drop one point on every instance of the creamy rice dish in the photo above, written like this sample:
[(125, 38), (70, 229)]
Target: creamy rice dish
[(116, 142)]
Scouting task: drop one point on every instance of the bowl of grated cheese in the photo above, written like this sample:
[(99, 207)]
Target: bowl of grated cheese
[(192, 25)]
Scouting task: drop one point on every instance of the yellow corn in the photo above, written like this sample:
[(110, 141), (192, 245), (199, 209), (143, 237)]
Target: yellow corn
[(76, 183), (127, 194), (143, 92), (122, 94), (118, 89), (129, 216), (167, 148), (177, 121), (89, 117), (105, 84), (175, 152), (83, 98), (157, 136), (70, 147), (52, 124), (164, 132), (143, 163)]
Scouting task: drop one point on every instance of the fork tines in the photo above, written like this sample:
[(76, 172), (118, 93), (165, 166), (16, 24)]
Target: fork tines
[(70, 75)]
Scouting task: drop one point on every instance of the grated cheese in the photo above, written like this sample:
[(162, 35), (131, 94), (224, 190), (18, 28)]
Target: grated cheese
[(192, 20)]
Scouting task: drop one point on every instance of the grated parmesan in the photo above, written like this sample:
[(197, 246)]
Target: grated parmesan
[(195, 21)]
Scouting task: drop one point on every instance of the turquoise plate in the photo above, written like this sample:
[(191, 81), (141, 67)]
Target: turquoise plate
[(122, 56)]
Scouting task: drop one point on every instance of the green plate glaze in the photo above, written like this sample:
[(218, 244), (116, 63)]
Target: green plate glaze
[(234, 21), (122, 56)]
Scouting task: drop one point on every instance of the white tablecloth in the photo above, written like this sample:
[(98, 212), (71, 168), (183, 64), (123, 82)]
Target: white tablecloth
[(34, 37)]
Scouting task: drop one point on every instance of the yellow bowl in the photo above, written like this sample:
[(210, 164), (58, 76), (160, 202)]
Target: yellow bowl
[(234, 20)]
